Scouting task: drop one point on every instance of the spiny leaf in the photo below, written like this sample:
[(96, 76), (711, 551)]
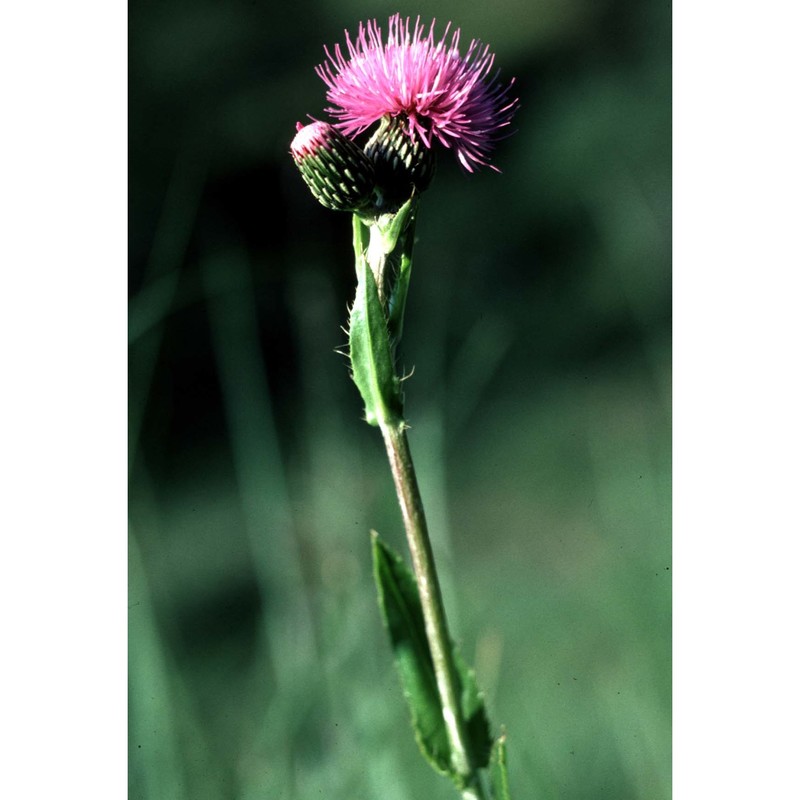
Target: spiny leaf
[(370, 351), (473, 710), (401, 609), (398, 599)]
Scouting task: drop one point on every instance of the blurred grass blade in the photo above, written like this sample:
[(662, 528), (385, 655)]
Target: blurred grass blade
[(155, 764), (400, 606), (152, 305), (149, 309), (498, 770)]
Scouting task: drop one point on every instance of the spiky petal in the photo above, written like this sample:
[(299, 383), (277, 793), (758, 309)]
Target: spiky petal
[(445, 96)]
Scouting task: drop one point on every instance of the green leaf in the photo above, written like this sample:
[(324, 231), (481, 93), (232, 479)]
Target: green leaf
[(473, 710), (401, 609), (370, 352), (392, 226), (498, 770), (397, 298), (399, 602)]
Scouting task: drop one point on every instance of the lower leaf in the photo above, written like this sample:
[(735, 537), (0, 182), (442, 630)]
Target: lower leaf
[(398, 598)]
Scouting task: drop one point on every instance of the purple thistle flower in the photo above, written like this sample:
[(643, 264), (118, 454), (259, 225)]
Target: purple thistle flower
[(443, 95)]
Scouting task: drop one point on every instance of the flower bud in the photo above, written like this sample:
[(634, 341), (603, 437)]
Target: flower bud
[(335, 169), (401, 159)]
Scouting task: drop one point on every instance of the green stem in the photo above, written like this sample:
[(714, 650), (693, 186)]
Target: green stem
[(405, 481), (384, 270)]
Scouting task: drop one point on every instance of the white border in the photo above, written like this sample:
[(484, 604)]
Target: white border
[(63, 340), (736, 399)]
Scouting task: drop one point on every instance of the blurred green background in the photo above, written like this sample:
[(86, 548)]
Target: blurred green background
[(538, 331)]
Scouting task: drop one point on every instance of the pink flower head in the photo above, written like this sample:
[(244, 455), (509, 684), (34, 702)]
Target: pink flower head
[(443, 95)]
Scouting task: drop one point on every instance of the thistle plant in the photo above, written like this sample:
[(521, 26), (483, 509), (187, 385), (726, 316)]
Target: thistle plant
[(411, 94)]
